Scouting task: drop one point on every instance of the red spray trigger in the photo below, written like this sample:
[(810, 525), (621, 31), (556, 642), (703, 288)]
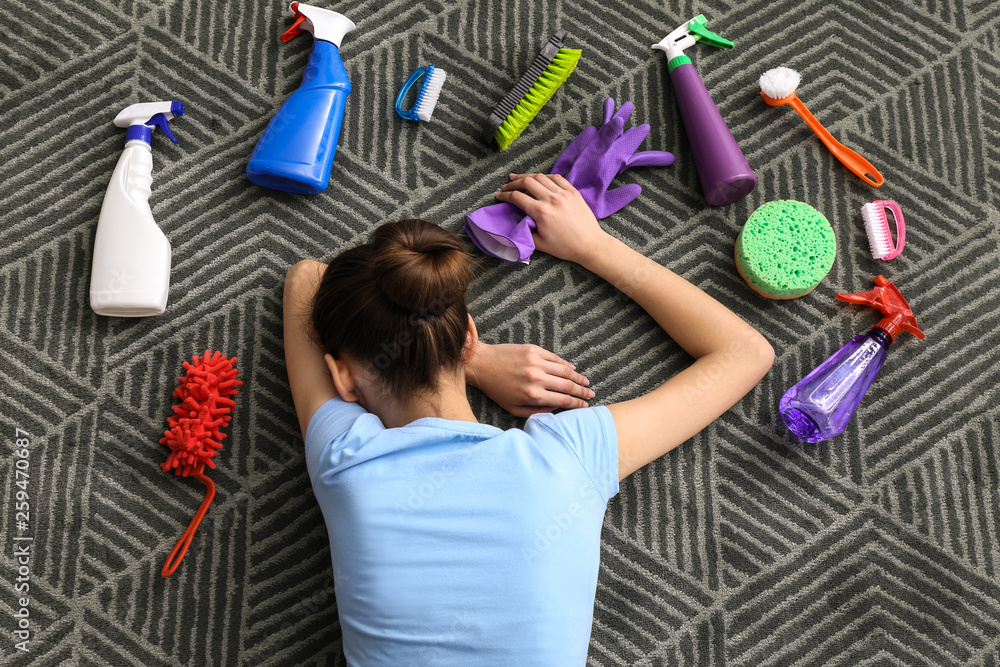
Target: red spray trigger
[(887, 298), (296, 28)]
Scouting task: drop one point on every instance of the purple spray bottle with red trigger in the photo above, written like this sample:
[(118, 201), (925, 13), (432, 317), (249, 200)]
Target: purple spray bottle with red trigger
[(822, 403)]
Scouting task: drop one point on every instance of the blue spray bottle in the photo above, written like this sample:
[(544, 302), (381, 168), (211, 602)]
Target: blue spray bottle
[(821, 404), (295, 153)]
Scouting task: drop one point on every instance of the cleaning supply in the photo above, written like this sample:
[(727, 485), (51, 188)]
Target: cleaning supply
[(295, 153), (820, 405), (777, 87), (502, 231), (550, 68), (597, 155), (877, 228), (591, 161), (427, 96), (725, 175), (131, 272), (195, 435), (785, 249)]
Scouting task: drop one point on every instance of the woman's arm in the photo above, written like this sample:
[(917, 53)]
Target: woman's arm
[(730, 356), (308, 375)]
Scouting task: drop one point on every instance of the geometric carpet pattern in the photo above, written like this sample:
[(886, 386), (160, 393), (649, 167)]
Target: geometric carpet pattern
[(742, 547)]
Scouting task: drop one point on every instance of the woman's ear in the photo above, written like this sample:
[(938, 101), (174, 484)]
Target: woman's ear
[(343, 378), (471, 341)]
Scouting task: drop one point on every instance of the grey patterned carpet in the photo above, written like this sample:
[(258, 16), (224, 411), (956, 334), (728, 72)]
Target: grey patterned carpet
[(740, 548)]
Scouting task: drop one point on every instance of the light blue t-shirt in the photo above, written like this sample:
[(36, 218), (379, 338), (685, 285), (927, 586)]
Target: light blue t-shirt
[(457, 543)]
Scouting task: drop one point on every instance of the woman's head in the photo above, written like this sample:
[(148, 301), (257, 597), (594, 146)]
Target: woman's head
[(397, 305)]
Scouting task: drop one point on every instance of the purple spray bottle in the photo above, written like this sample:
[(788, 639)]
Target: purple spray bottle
[(822, 403), (724, 173)]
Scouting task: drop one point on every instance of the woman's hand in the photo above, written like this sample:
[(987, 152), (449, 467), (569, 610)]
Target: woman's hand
[(566, 226), (526, 379)]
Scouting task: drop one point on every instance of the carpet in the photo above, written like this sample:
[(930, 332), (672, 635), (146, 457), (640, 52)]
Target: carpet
[(742, 547)]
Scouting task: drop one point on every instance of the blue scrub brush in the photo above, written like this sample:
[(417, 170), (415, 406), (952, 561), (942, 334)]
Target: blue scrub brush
[(427, 96)]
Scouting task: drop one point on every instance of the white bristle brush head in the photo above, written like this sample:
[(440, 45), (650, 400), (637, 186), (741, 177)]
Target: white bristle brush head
[(429, 94), (780, 82), (877, 228)]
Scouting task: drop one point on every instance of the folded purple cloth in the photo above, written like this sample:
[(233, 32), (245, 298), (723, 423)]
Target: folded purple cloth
[(590, 163)]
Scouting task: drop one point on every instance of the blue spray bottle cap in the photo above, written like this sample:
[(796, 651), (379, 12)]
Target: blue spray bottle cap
[(142, 119)]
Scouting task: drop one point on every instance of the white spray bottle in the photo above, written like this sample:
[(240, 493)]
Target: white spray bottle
[(131, 272)]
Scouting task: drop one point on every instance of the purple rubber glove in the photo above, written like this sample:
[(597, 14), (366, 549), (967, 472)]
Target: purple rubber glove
[(502, 230), (590, 163), (596, 156)]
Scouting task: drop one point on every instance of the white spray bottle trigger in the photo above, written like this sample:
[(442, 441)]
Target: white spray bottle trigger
[(687, 34), (678, 40), (324, 24), (152, 115)]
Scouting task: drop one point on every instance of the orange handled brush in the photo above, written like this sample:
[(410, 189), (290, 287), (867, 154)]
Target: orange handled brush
[(777, 87), (195, 435)]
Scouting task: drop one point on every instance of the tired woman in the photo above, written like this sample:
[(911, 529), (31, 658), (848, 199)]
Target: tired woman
[(455, 542)]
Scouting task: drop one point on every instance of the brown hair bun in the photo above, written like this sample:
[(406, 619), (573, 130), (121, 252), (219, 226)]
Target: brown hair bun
[(418, 265), (397, 303)]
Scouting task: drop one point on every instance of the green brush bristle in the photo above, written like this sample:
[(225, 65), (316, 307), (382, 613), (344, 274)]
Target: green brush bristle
[(562, 65)]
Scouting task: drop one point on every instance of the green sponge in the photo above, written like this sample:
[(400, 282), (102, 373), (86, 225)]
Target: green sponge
[(785, 249)]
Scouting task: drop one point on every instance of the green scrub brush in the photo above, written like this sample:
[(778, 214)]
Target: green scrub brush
[(519, 107)]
